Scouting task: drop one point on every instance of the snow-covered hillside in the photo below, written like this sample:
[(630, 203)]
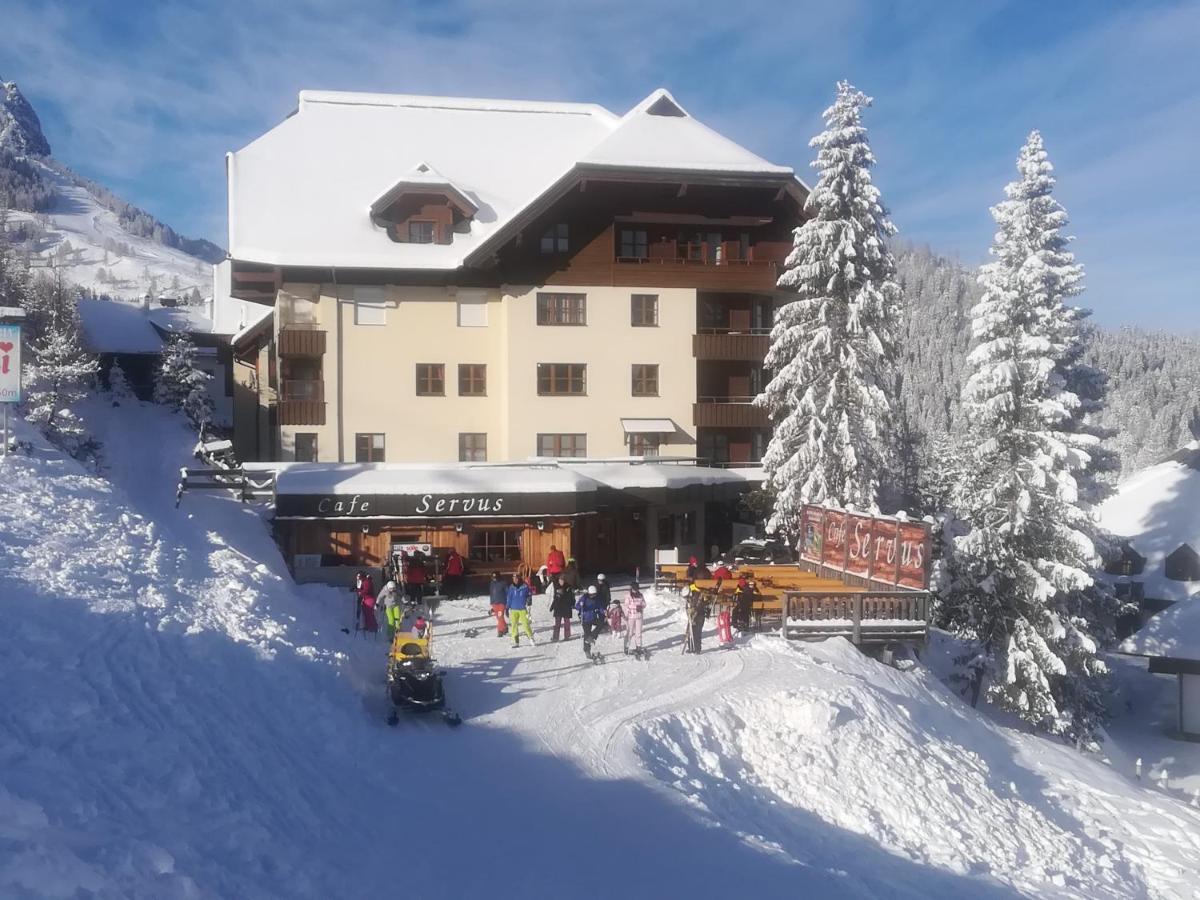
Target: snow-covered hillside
[(76, 225), (180, 720)]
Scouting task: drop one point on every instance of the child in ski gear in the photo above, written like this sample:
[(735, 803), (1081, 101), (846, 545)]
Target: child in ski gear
[(635, 606), (518, 599), (498, 592), (697, 612), (389, 599), (366, 601), (555, 562), (561, 605), (591, 614), (454, 572), (615, 616), (743, 598), (419, 628)]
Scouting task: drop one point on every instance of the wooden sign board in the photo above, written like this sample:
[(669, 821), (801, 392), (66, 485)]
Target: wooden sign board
[(886, 551)]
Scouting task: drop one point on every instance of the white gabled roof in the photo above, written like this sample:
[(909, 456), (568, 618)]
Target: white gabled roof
[(300, 195)]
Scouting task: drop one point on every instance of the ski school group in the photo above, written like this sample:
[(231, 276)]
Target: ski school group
[(512, 600)]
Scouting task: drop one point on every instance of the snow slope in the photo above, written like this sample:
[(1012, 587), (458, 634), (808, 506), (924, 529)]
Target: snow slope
[(77, 219), (180, 720)]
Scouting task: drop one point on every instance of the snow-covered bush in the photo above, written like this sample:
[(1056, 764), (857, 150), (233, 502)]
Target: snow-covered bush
[(181, 384), (833, 350)]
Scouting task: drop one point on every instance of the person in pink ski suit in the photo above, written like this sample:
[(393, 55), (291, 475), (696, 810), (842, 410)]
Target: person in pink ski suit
[(635, 605)]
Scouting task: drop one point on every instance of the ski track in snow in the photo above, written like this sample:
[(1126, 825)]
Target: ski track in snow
[(182, 721)]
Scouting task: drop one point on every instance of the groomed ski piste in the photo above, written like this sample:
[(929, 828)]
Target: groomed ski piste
[(180, 720)]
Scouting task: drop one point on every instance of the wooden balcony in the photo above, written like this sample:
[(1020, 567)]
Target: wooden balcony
[(728, 412), (302, 402), (301, 340), (715, 344)]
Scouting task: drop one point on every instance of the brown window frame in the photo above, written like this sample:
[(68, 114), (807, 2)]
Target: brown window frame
[(643, 385), (472, 379), (555, 239), (315, 457), (559, 308), (432, 382), (471, 453), (495, 545), (645, 444), (558, 443), (365, 440), (552, 381), (433, 231), (637, 310), (638, 240)]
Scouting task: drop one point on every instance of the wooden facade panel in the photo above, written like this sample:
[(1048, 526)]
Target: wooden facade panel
[(748, 347), (295, 341), (301, 412), (729, 415)]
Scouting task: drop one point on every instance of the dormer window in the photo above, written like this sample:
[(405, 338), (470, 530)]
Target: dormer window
[(424, 207), (421, 231), (555, 239)]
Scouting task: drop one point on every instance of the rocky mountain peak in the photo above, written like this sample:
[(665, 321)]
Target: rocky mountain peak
[(20, 130)]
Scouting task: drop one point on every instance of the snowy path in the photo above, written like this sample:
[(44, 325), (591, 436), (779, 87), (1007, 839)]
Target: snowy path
[(180, 720)]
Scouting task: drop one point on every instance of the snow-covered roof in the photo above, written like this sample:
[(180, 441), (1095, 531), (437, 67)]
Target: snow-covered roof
[(229, 314), (626, 476), (1156, 510), (300, 194), (112, 326), (189, 319), (1174, 632)]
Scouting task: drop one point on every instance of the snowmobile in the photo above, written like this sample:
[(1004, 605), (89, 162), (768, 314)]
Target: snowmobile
[(413, 682)]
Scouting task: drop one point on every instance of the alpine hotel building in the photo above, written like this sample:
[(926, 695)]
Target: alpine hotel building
[(495, 323)]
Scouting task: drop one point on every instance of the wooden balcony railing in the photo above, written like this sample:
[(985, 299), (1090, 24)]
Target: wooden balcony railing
[(303, 389), (728, 412), (712, 344), (725, 253), (301, 339), (864, 617)]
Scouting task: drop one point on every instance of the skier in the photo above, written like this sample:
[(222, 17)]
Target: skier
[(635, 606), (389, 599), (604, 597), (561, 606), (414, 578), (518, 599), (615, 616), (498, 591), (555, 562), (696, 570), (743, 602), (572, 574), (366, 601), (454, 575), (591, 614), (697, 612)]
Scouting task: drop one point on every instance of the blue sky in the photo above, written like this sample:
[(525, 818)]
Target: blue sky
[(146, 98)]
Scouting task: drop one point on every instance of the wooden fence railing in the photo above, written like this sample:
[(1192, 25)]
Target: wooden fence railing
[(865, 617)]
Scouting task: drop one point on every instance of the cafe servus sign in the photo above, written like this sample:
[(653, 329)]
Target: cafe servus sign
[(424, 506), (884, 550)]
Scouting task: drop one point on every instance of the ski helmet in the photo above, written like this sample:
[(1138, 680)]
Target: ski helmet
[(600, 577), (391, 585), (592, 590)]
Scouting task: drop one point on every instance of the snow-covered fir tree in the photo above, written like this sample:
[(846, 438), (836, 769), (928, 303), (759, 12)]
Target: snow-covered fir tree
[(1020, 578), (833, 345), (118, 383), (61, 372), (181, 384)]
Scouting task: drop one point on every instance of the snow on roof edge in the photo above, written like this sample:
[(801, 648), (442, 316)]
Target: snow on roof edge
[(475, 104)]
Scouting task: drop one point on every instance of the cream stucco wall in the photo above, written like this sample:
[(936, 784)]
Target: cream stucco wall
[(379, 371)]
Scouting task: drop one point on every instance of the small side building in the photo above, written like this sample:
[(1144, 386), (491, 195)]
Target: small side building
[(1171, 643)]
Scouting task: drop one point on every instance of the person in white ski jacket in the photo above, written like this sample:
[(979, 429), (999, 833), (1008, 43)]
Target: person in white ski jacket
[(389, 598)]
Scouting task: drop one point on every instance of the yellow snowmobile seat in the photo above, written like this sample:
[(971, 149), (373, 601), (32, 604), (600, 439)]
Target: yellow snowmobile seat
[(405, 646)]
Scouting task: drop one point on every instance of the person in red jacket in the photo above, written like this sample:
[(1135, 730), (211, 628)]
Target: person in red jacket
[(365, 588), (414, 578), (722, 573), (555, 563), (455, 572)]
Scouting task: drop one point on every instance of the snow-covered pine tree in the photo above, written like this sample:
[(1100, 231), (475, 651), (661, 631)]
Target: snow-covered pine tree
[(181, 384), (61, 371), (118, 383), (1020, 578), (833, 346)]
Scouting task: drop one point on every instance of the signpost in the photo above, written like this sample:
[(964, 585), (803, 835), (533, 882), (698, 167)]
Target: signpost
[(10, 374)]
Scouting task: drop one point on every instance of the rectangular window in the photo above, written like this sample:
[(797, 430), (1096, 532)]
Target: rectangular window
[(370, 306), (555, 239), (644, 444), (561, 379), (472, 380), (644, 310), (472, 309), (472, 447), (420, 232), (431, 380), (562, 309), (495, 545), (306, 447), (645, 380), (368, 448), (562, 445), (633, 244)]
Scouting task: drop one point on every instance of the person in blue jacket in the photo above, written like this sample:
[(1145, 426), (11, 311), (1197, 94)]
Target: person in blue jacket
[(518, 600), (591, 614)]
